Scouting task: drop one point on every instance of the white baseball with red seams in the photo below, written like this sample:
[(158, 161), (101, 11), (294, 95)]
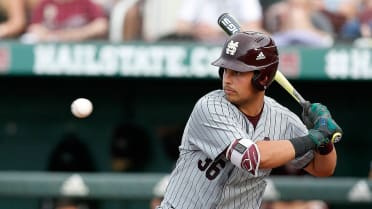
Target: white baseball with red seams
[(81, 107)]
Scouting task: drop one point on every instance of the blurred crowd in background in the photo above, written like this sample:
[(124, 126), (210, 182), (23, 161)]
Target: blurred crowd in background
[(319, 23)]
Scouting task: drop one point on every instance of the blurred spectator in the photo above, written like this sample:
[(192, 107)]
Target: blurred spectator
[(130, 148), (133, 24), (361, 24), (299, 22), (130, 151), (365, 18), (166, 12), (338, 13), (170, 138), (66, 21), (107, 5), (320, 20), (31, 5), (70, 155), (132, 20), (289, 170), (198, 18), (12, 18)]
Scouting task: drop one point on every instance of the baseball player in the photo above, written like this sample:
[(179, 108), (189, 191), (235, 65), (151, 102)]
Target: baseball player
[(235, 136)]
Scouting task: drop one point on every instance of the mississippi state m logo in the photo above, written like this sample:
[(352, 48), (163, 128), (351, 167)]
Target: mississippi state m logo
[(232, 47)]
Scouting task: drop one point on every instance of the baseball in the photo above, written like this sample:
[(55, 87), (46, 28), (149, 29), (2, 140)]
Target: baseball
[(81, 108)]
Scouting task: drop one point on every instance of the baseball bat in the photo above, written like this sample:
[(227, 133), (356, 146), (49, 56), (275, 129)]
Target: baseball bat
[(230, 25)]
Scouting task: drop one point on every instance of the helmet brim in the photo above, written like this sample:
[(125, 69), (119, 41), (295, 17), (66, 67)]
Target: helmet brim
[(235, 66)]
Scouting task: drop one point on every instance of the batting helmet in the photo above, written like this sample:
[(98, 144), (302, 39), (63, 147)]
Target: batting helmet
[(250, 51)]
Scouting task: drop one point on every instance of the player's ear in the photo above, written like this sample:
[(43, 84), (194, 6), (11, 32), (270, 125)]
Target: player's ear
[(263, 80), (259, 80)]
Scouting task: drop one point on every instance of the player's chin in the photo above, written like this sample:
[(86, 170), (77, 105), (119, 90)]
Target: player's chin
[(231, 98)]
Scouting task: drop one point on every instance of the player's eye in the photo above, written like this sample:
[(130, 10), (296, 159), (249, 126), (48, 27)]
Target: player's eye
[(237, 73)]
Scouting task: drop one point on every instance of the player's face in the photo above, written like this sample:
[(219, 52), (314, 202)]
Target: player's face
[(238, 87)]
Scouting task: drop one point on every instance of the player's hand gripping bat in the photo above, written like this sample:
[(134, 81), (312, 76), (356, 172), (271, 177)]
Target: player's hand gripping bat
[(231, 26)]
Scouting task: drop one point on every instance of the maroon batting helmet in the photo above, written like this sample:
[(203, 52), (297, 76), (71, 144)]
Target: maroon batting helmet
[(250, 51)]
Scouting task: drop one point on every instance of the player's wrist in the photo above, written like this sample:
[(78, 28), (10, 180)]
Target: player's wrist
[(311, 141), (325, 149)]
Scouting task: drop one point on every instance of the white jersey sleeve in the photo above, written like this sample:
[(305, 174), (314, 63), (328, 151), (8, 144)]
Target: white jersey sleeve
[(213, 125)]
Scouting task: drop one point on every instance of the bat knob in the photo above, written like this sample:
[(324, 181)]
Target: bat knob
[(336, 137)]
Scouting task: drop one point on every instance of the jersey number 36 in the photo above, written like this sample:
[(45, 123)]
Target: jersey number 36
[(211, 168)]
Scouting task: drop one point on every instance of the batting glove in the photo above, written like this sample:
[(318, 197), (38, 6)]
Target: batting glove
[(312, 112), (318, 137), (327, 126)]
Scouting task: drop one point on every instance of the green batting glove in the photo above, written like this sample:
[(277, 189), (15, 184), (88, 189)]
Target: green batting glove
[(318, 137), (327, 126), (312, 112)]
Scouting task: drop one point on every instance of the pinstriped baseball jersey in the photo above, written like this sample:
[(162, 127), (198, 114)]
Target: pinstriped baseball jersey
[(203, 178)]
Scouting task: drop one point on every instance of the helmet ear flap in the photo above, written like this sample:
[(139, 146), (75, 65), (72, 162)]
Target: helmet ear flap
[(264, 77), (259, 80)]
